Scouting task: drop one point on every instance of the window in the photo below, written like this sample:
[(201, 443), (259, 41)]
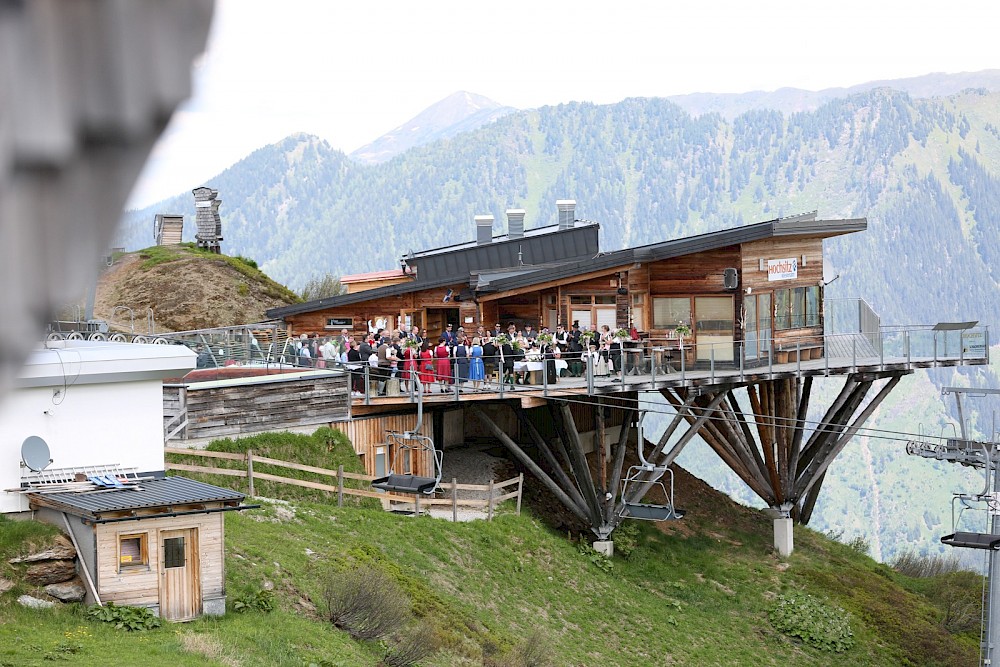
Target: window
[(133, 550), (638, 310), (668, 312), (796, 307), (586, 300), (812, 306), (173, 552), (339, 323), (605, 300)]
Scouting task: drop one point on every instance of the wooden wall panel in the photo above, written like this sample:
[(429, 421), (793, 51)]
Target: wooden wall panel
[(265, 406), (390, 308), (368, 433), (140, 585), (811, 273), (698, 273)]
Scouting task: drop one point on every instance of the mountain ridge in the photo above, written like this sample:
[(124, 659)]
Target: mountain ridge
[(459, 112)]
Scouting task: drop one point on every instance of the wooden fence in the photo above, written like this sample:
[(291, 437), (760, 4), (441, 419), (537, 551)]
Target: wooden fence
[(450, 489)]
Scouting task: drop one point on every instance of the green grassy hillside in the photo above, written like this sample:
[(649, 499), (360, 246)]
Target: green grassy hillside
[(697, 592)]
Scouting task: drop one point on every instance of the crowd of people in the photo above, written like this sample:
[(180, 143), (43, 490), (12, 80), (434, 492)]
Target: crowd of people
[(470, 359)]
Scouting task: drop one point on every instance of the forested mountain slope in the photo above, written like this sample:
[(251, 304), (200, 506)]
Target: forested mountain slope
[(923, 171)]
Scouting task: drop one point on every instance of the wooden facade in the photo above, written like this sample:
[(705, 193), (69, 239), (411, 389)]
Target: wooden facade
[(368, 435), (425, 308), (728, 289), (181, 589), (241, 406), (156, 543)]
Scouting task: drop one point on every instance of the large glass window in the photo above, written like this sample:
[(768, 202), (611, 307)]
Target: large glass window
[(668, 312), (796, 307), (638, 310), (812, 306), (714, 327)]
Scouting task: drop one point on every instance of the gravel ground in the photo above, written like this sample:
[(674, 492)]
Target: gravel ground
[(469, 464)]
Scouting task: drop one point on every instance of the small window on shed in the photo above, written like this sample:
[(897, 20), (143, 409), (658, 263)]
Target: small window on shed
[(173, 552), (133, 550)]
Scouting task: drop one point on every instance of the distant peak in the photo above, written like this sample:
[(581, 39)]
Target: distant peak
[(461, 111)]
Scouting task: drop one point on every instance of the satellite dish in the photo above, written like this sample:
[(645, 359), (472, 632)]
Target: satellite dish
[(35, 453)]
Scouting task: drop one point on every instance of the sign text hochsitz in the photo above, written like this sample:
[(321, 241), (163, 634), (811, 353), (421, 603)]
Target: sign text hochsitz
[(782, 269)]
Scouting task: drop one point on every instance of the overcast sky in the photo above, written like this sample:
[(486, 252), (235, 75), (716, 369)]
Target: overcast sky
[(351, 71)]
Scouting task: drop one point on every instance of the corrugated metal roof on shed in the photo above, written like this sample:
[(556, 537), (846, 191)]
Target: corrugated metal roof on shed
[(164, 492)]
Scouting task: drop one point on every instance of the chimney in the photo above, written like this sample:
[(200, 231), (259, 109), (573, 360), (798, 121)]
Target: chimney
[(484, 229), (515, 223), (567, 213)]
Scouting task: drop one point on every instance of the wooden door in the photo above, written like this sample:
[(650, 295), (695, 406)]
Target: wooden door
[(180, 579)]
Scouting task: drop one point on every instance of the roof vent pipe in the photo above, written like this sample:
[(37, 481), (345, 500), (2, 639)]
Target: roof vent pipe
[(567, 213), (484, 229), (515, 223)]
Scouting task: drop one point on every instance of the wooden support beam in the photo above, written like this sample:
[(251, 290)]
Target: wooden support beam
[(602, 444), (817, 467), (800, 426), (683, 414), (768, 442), (527, 462), (742, 444), (838, 403), (828, 432), (643, 489), (748, 438), (566, 427), (619, 463), (808, 502), (784, 415), (561, 477)]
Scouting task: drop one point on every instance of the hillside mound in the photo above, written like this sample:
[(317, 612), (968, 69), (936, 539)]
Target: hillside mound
[(186, 288)]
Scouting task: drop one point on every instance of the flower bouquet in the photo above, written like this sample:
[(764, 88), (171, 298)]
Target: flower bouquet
[(623, 334), (546, 339)]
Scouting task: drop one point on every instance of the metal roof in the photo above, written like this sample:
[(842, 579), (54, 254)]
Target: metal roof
[(455, 264), (804, 225), (539, 246), (451, 265), (364, 295), (165, 492)]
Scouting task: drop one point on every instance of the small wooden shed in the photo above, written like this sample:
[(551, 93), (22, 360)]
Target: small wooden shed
[(156, 543)]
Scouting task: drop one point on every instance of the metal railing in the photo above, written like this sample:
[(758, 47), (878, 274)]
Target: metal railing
[(654, 360)]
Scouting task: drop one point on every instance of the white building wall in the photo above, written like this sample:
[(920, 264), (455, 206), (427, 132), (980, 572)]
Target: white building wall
[(97, 424), (93, 404)]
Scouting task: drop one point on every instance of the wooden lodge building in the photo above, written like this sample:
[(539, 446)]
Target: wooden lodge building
[(734, 288), (756, 332)]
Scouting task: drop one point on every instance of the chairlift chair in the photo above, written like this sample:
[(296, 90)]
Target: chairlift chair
[(971, 540), (647, 473), (402, 447)]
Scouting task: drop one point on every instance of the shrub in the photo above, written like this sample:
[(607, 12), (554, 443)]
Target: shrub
[(132, 619), (815, 622), (959, 596), (417, 643), (626, 539), (246, 260), (366, 602), (912, 564), (534, 651), (259, 600)]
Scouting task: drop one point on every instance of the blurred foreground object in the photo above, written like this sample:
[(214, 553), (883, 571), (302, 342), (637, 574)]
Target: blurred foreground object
[(86, 87)]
